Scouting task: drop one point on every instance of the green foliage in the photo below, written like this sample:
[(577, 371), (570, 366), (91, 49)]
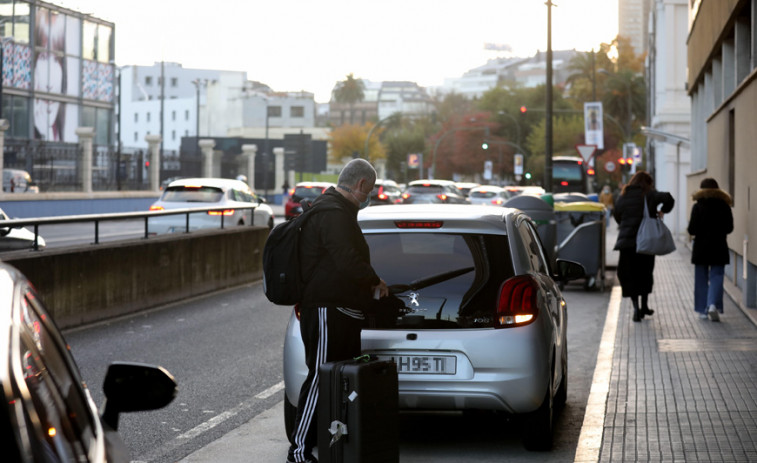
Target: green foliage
[(567, 132), (350, 91), (349, 139)]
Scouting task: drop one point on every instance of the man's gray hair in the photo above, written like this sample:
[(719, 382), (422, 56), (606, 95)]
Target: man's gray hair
[(354, 171)]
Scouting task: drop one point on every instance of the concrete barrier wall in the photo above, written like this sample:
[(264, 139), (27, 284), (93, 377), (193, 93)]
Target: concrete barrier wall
[(86, 284), (26, 206)]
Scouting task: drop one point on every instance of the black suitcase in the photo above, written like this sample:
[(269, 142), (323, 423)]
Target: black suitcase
[(357, 411)]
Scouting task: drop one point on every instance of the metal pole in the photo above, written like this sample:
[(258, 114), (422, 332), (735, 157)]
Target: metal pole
[(548, 124)]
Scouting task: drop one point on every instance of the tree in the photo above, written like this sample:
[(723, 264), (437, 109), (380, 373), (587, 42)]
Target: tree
[(348, 141), (568, 132), (350, 91)]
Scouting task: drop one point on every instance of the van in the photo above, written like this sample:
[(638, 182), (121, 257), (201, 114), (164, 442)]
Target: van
[(569, 175), (18, 181)]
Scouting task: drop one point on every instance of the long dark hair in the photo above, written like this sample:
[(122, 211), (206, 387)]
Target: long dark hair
[(642, 179)]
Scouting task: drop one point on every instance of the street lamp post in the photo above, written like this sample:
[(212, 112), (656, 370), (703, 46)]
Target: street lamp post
[(197, 83)]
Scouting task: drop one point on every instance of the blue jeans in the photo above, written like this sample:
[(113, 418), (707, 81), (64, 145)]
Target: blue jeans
[(708, 287)]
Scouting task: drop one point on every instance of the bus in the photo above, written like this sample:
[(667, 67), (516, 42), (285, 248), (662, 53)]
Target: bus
[(569, 175)]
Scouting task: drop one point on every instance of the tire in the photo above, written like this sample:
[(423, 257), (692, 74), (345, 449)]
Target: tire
[(538, 429), (290, 414)]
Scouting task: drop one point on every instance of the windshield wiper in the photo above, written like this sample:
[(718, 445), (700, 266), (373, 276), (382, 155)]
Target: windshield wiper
[(429, 281)]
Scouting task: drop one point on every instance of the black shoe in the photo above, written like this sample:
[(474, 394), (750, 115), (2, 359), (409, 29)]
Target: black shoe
[(646, 311), (637, 316)]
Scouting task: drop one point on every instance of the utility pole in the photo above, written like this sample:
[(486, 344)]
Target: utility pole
[(548, 122)]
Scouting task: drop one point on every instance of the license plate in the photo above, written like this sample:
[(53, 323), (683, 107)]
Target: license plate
[(423, 364)]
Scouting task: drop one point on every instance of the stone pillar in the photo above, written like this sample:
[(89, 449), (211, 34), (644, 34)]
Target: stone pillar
[(206, 146), (380, 166), (278, 168), (153, 173), (249, 151), (86, 135), (4, 125)]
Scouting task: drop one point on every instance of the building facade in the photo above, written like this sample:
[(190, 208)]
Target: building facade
[(722, 84), (633, 16), (58, 72), (381, 100), (668, 144)]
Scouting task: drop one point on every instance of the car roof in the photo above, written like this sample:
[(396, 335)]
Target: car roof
[(456, 218), (431, 182), (319, 184), (222, 183), (487, 188)]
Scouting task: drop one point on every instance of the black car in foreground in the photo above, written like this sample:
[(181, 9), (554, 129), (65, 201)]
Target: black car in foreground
[(47, 412)]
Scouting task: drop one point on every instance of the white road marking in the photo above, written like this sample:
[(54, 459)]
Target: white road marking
[(270, 391), (590, 439)]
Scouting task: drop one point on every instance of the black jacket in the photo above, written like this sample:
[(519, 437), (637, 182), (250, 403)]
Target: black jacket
[(335, 259), (629, 209), (711, 221)]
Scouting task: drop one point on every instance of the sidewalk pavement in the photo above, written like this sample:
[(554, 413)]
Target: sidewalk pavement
[(671, 388)]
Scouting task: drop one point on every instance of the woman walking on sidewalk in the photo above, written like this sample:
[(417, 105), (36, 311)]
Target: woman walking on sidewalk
[(710, 223), (635, 270)]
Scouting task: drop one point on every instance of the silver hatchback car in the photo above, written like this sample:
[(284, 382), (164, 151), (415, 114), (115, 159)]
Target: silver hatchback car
[(484, 324)]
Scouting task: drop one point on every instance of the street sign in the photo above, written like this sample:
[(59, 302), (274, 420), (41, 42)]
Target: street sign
[(610, 167), (488, 166), (518, 167), (413, 160), (586, 151)]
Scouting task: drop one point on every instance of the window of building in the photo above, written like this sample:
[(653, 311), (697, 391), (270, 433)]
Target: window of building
[(174, 82), (173, 115), (148, 80), (136, 136), (148, 117), (297, 111), (274, 111), (136, 117), (173, 135), (186, 114)]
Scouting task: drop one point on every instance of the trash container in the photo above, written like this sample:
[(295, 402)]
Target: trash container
[(543, 215), (581, 238)]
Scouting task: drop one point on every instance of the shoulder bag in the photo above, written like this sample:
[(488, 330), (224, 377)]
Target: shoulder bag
[(653, 237)]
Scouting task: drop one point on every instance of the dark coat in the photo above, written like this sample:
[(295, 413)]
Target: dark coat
[(335, 258), (711, 221), (629, 209)]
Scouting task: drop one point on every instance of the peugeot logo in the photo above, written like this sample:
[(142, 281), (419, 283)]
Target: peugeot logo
[(413, 299)]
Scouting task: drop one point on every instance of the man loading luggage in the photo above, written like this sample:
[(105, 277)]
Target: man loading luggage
[(339, 284)]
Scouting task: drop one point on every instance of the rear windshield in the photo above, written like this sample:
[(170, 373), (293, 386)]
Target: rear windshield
[(468, 270), (191, 194), (425, 190), (483, 194), (568, 172), (308, 192)]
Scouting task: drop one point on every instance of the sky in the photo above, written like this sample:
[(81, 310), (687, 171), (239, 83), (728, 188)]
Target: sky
[(296, 45)]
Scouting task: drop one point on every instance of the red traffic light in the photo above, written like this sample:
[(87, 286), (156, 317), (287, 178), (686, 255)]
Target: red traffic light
[(621, 161), (590, 171), (147, 163), (523, 110)]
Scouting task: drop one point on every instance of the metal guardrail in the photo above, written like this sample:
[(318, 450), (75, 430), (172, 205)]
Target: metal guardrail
[(97, 218)]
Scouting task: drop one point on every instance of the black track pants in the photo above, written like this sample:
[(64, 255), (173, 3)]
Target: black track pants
[(329, 335)]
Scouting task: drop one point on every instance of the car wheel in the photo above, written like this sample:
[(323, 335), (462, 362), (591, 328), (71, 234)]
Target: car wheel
[(538, 427), (290, 414)]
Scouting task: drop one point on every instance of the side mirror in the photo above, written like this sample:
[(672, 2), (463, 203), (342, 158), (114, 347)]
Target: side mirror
[(135, 387), (568, 270)]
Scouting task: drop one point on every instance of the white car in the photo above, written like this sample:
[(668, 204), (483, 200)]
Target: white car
[(207, 193), (483, 324), (488, 195), (12, 239)]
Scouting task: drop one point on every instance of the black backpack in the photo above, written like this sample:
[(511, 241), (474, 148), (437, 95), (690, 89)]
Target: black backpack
[(282, 281)]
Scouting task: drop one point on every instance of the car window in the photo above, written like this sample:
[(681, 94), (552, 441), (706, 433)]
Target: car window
[(308, 192), (427, 190), (65, 425), (192, 194), (533, 247), (483, 194), (458, 302)]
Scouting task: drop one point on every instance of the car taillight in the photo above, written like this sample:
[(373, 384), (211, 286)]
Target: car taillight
[(498, 201), (518, 304), (418, 223), (443, 197), (381, 194), (297, 311), (156, 208), (564, 183), (223, 212), (405, 195)]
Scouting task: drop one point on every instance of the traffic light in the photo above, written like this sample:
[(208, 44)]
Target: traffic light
[(523, 110), (147, 163), (485, 145), (528, 175)]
